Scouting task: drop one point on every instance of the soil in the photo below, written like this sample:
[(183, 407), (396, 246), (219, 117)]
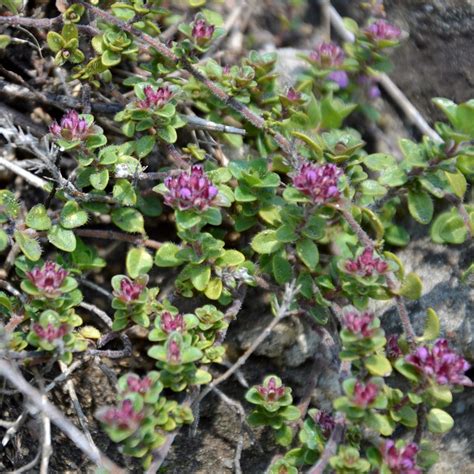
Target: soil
[(437, 59)]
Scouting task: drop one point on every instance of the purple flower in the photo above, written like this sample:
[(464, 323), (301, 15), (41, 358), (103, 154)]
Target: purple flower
[(173, 355), (340, 78), (202, 31), (271, 391), (393, 350), (50, 333), (135, 384), (327, 55), (129, 290), (366, 264), (71, 127), (369, 87), (359, 323), (325, 421), (170, 323), (364, 395), (125, 417), (401, 461), (155, 99), (293, 95), (48, 278), (440, 364), (190, 190), (381, 30), (318, 182)]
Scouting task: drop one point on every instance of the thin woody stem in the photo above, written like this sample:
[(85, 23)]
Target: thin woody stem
[(365, 239), (251, 117), (113, 235)]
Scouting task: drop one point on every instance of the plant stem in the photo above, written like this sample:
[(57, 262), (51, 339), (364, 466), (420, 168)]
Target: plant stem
[(251, 117), (364, 238), (113, 235)]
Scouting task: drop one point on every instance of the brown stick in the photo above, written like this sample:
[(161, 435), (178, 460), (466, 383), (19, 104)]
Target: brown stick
[(113, 235), (16, 379), (251, 117)]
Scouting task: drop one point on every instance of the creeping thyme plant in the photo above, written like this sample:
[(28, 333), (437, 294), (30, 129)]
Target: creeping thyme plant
[(220, 182)]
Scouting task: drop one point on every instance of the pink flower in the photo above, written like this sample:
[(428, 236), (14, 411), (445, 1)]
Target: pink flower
[(125, 417), (359, 323), (441, 364), (50, 333), (155, 99), (381, 30), (325, 421), (318, 182), (364, 395), (170, 323), (401, 461), (327, 55), (293, 95), (369, 87), (271, 392), (48, 278), (366, 264), (202, 30), (129, 290), (71, 127), (135, 384), (190, 190), (173, 355)]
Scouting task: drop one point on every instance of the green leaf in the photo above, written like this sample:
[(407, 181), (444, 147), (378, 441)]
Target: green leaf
[(214, 289), (124, 192), (55, 41), (128, 220), (453, 229), (420, 206), (380, 161), (166, 256), (168, 134), (397, 235), (378, 364), (110, 58), (432, 326), (28, 245), (4, 240), (72, 215), (200, 276), (308, 253), (144, 146), (458, 183), (99, 179), (61, 238), (5, 40), (439, 421), (37, 218), (282, 270), (266, 242), (411, 286), (138, 262)]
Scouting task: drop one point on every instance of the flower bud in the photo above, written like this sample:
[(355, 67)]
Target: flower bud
[(359, 323), (48, 278), (381, 30), (129, 290), (71, 127), (440, 364), (327, 55), (366, 264), (202, 31), (401, 461), (320, 183), (170, 323), (271, 391), (190, 190), (364, 395), (135, 384), (155, 99), (50, 333)]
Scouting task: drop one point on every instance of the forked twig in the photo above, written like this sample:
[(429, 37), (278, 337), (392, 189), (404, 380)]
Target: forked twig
[(16, 379)]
